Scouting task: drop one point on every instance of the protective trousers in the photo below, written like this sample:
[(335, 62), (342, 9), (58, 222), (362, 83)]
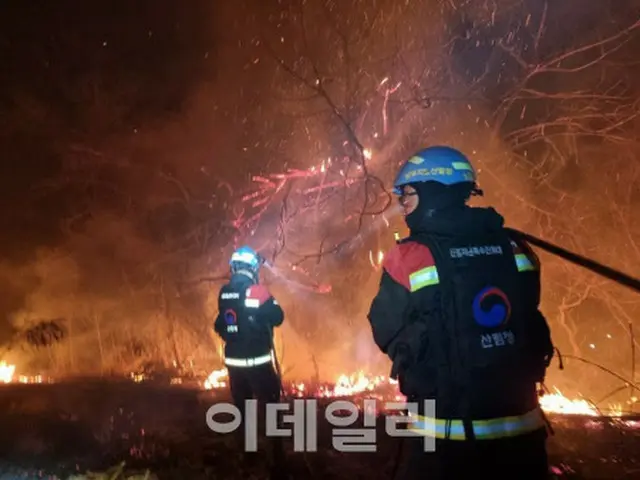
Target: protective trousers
[(262, 384), (523, 457)]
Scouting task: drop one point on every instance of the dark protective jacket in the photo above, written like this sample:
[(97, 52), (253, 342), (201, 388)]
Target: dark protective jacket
[(247, 314), (457, 313)]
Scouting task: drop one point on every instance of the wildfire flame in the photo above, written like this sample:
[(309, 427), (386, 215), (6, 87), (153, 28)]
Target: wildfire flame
[(8, 375), (558, 403), (359, 383), (215, 379), (346, 386), (6, 372)]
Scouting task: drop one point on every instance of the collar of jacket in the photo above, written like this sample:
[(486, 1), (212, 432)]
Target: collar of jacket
[(247, 274)]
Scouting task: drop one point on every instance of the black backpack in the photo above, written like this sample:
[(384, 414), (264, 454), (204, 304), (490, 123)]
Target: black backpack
[(476, 319)]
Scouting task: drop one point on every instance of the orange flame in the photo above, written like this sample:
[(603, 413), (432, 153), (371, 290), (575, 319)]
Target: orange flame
[(6, 372), (215, 379), (558, 403), (359, 383)]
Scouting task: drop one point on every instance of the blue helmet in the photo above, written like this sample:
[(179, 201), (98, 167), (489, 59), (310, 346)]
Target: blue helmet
[(439, 164), (245, 258)]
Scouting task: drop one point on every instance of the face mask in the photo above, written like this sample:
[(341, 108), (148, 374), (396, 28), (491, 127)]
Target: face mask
[(435, 198)]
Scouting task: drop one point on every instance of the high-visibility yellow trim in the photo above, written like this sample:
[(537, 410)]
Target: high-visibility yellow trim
[(524, 263), (424, 278), (461, 166), (483, 429), (248, 362), (252, 303)]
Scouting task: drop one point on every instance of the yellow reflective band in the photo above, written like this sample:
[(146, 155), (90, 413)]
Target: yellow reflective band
[(252, 303), (249, 362), (461, 166), (523, 263), (482, 429), (424, 278)]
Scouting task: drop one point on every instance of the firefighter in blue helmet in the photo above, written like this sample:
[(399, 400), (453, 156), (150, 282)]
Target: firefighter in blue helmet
[(247, 315), (457, 313)]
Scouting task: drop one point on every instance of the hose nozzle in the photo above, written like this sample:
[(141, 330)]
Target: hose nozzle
[(263, 261)]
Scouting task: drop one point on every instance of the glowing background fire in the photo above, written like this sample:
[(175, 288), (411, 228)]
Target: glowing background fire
[(360, 383), (6, 372)]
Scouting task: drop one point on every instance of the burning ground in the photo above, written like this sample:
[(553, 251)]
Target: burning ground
[(58, 429)]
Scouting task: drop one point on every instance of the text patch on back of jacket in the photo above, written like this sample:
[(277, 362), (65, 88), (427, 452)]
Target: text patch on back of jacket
[(490, 317)]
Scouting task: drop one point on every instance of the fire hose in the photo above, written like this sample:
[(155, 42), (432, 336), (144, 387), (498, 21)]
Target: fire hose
[(276, 364), (281, 393), (595, 267), (609, 273), (264, 262)]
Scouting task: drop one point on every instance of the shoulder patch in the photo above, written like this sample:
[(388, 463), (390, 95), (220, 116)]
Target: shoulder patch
[(526, 259), (259, 293), (412, 265)]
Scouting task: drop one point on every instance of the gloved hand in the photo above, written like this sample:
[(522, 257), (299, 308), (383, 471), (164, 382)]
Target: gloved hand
[(263, 261)]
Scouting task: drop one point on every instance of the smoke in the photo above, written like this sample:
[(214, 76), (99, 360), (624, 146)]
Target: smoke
[(15, 283)]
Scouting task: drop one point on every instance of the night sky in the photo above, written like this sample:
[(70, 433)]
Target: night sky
[(141, 140)]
